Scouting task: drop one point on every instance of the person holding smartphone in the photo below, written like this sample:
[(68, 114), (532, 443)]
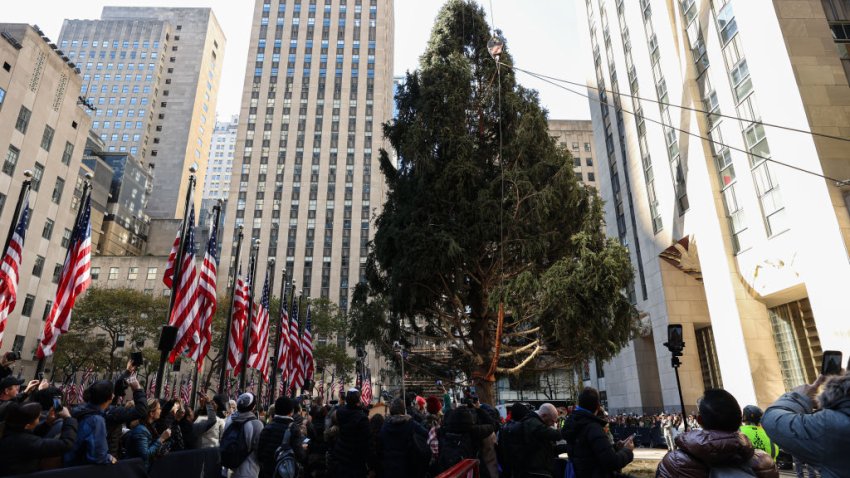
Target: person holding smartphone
[(591, 452)]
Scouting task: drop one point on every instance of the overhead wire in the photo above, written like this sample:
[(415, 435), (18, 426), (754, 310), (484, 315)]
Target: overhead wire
[(687, 108), (838, 182)]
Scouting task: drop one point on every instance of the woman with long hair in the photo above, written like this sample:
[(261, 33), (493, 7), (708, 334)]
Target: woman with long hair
[(143, 441)]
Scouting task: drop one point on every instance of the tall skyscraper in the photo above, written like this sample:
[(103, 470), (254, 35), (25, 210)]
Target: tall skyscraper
[(153, 74), (306, 182), (44, 130), (577, 137), (732, 231), (220, 163)]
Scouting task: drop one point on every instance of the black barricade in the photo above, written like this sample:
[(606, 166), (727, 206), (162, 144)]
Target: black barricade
[(644, 437), (203, 463)]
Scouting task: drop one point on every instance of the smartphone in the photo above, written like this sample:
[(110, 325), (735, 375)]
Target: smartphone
[(831, 362), (40, 376), (675, 337), (137, 359), (57, 404)]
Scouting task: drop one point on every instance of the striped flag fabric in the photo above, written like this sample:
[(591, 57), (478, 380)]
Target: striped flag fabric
[(366, 390), (283, 338), (168, 278), (296, 372), (240, 316), (73, 281), (259, 356), (307, 348), (151, 384), (186, 390), (207, 298), (11, 262), (184, 312)]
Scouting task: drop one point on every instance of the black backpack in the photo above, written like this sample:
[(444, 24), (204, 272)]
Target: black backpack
[(233, 446), (285, 465), (454, 447)]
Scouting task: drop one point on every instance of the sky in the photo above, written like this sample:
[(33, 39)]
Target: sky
[(541, 35)]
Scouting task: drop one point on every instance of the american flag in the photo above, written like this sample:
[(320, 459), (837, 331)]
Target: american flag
[(167, 388), (184, 312), (283, 338), (240, 316), (207, 298), (259, 357), (168, 278), (10, 264), (151, 384), (307, 348), (186, 390), (75, 279), (366, 390), (296, 372)]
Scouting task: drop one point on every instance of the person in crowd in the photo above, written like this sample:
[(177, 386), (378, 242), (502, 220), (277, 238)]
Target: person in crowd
[(211, 437), (753, 430), (91, 446), (667, 428), (317, 448), (538, 442), (22, 451), (511, 440), (143, 441), (816, 437), (168, 421), (116, 416), (272, 436), (373, 463), (401, 454), (353, 444), (10, 392), (251, 427), (718, 446), (589, 448), (461, 434), (6, 361), (417, 412), (50, 424)]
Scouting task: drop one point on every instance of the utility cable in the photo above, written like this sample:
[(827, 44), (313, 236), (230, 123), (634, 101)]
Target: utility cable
[(686, 108), (838, 182)]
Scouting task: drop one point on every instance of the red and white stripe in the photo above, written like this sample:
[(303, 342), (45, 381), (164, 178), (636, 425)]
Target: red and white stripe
[(9, 266), (207, 298), (283, 338), (75, 279), (307, 348), (259, 356), (186, 307), (168, 278), (237, 325), (296, 371)]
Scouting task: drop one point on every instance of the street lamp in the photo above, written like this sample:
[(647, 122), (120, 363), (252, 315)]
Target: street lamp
[(399, 349), (675, 344)]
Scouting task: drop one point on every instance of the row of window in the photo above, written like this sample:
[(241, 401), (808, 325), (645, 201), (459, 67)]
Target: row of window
[(146, 44), (132, 273)]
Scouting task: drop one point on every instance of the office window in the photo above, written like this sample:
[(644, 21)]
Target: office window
[(726, 24), (575, 146), (66, 238), (47, 231), (37, 174), (38, 266), (2, 95), (23, 121), (47, 306), (57, 272), (18, 344), (2, 202), (47, 138), (29, 303), (11, 160), (148, 292), (742, 84), (591, 177), (95, 273), (57, 190), (133, 273), (152, 273), (588, 161), (113, 273), (587, 147), (576, 162), (67, 153)]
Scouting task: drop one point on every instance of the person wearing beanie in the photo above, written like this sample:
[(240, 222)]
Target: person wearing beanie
[(22, 451), (272, 436), (251, 429), (353, 445)]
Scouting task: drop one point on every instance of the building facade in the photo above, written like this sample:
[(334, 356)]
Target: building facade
[(577, 137), (220, 162), (44, 130), (732, 231), (306, 182), (153, 74)]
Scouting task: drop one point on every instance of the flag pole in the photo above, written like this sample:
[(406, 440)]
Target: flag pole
[(194, 397), (252, 272), (270, 275), (273, 379), (39, 369), (222, 376), (175, 283), (25, 189), (300, 338)]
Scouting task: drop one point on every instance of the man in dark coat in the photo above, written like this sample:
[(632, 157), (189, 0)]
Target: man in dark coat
[(398, 453), (21, 451), (718, 444), (116, 415), (591, 452), (539, 442), (511, 442), (353, 445), (272, 437)]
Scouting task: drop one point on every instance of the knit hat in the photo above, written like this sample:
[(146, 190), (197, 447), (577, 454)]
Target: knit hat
[(433, 405), (420, 401), (246, 402), (19, 416)]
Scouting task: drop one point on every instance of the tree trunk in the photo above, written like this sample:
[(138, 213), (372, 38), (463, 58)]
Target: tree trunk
[(482, 345)]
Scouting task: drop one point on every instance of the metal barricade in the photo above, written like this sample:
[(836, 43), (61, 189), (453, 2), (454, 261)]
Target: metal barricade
[(465, 469)]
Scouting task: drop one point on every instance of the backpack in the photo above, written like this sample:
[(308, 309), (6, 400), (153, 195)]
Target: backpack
[(454, 447), (511, 444), (234, 448), (285, 465)]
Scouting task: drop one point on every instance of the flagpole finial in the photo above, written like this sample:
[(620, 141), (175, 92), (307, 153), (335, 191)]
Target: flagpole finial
[(28, 173), (271, 261), (240, 227), (89, 176), (193, 168), (256, 244)]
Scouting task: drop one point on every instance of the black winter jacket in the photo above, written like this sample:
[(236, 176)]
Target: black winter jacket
[(353, 445), (397, 447), (591, 452), (538, 446), (271, 437), (116, 416), (21, 451)]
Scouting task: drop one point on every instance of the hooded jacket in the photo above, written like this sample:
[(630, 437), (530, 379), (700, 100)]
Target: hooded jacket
[(701, 450), (142, 444), (272, 437), (591, 453), (396, 443), (91, 446), (353, 444), (250, 468), (21, 450), (538, 445)]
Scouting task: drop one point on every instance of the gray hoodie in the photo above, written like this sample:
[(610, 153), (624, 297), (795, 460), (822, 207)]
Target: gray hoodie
[(250, 468)]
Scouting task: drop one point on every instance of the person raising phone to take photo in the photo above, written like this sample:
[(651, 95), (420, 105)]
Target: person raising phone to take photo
[(591, 452)]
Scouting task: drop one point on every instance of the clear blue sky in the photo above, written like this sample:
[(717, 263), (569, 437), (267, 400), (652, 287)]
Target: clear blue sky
[(541, 36)]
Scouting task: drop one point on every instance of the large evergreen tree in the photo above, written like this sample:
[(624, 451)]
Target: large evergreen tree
[(484, 208)]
